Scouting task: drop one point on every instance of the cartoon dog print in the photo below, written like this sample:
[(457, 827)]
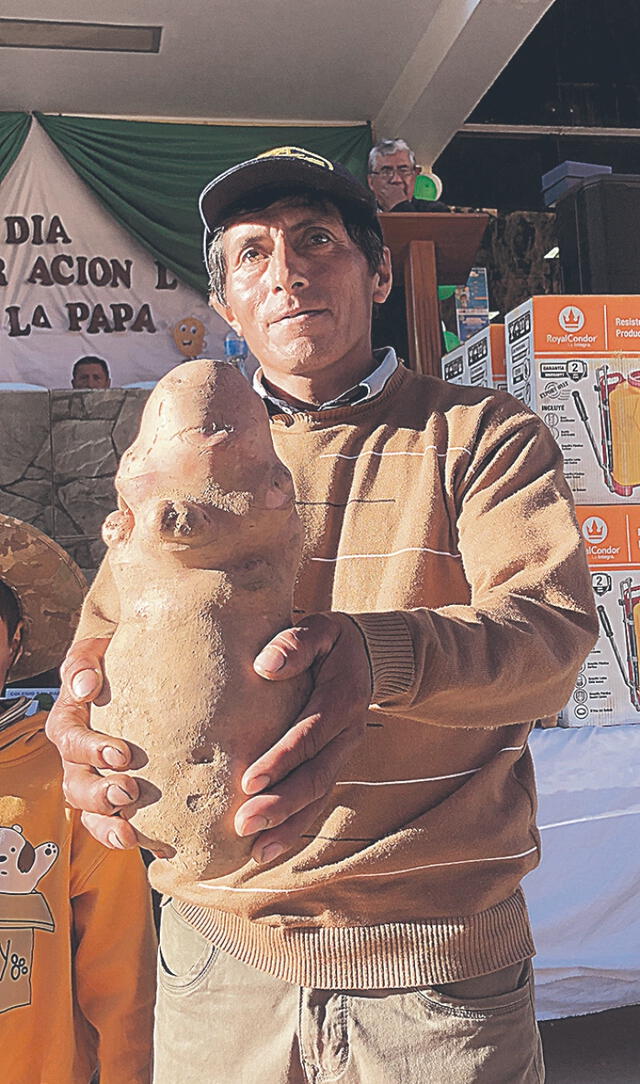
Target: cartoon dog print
[(21, 864)]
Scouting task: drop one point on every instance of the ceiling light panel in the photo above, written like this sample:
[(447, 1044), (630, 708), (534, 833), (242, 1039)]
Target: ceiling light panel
[(95, 37)]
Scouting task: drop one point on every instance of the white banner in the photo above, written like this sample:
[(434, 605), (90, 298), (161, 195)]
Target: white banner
[(73, 282)]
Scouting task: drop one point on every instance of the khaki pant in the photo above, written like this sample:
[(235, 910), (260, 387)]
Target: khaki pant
[(219, 1021)]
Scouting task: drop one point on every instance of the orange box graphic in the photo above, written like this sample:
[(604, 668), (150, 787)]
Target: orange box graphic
[(568, 324), (576, 361), (607, 689), (611, 534), (622, 326)]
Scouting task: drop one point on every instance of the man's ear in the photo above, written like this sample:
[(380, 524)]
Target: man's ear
[(17, 644), (225, 312), (383, 278)]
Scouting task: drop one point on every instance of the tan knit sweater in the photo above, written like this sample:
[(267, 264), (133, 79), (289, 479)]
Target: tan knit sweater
[(438, 517)]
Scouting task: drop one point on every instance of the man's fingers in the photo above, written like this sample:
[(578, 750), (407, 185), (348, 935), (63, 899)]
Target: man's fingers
[(68, 723), (290, 783), (295, 650), (81, 671), (317, 643), (84, 788), (85, 683), (302, 741), (112, 832), (78, 744), (270, 845), (306, 786), (68, 728)]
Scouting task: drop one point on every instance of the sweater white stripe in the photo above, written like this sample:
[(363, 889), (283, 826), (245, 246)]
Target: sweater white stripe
[(593, 817), (403, 782), (393, 553), (426, 779), (411, 869), (371, 451), (385, 873)]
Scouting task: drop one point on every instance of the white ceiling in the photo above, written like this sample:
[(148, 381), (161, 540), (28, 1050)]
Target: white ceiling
[(414, 68)]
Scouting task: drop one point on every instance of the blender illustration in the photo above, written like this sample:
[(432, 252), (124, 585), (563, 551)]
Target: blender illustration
[(619, 413), (630, 602)]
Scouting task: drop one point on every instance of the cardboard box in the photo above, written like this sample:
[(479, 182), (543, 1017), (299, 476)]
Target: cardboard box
[(576, 361), (486, 358), (607, 690), (453, 366), (560, 180), (20, 914), (479, 361)]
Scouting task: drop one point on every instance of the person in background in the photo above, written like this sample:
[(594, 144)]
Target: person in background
[(392, 173), (77, 942), (90, 373)]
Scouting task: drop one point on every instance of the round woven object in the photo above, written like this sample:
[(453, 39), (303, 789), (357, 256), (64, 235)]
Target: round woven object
[(50, 588)]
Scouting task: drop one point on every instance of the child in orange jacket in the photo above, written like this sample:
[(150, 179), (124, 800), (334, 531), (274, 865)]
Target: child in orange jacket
[(77, 943)]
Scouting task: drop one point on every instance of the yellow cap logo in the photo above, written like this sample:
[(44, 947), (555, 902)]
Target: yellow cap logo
[(298, 152)]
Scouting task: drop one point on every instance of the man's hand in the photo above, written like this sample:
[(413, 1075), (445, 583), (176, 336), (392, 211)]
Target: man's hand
[(83, 750), (290, 783)]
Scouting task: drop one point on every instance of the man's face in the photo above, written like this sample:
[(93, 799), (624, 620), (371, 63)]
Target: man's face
[(90, 375), (394, 179), (299, 289)]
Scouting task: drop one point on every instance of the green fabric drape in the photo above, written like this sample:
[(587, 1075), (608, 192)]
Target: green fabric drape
[(14, 128), (149, 175)]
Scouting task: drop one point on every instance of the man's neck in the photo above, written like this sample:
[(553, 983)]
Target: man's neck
[(370, 386), (316, 389)]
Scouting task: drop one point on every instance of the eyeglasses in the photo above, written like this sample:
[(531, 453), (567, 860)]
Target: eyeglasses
[(388, 171)]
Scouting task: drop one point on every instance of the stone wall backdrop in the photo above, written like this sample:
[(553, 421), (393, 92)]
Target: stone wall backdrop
[(59, 452)]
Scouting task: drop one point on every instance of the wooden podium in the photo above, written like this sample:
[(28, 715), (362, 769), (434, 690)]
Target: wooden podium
[(427, 249)]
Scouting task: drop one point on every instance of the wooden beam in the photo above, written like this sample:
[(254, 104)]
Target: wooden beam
[(423, 310)]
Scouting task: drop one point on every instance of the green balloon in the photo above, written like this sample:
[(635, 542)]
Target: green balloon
[(425, 188), (445, 292)]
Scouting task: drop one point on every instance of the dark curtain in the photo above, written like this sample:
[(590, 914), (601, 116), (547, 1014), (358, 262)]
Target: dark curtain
[(14, 128)]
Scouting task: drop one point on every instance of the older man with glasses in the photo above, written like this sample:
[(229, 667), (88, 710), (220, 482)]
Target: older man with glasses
[(392, 175)]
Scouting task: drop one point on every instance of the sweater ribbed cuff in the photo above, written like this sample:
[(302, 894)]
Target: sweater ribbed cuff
[(390, 648)]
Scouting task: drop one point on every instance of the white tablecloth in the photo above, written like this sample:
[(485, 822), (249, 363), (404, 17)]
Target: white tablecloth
[(584, 898)]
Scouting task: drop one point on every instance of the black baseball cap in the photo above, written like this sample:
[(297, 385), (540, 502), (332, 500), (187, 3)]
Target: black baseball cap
[(290, 167)]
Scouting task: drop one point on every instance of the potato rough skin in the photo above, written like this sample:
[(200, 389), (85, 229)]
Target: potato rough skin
[(203, 551)]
